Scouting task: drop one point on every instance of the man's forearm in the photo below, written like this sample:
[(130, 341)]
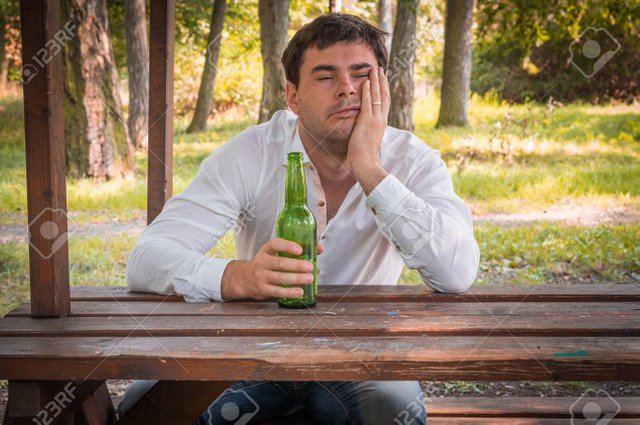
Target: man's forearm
[(369, 176), (236, 271)]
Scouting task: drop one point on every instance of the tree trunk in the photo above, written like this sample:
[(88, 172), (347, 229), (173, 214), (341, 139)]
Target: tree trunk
[(135, 18), (335, 6), (456, 69), (208, 80), (4, 60), (385, 20), (97, 142), (400, 72), (274, 22)]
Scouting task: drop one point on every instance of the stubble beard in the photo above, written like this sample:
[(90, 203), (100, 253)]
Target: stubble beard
[(333, 139)]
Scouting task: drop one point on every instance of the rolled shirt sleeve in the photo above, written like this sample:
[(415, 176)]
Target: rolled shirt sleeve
[(170, 256), (428, 224)]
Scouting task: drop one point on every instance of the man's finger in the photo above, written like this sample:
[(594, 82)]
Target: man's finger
[(374, 76), (289, 264), (320, 248), (365, 99), (385, 95), (275, 291), (274, 246), (285, 278)]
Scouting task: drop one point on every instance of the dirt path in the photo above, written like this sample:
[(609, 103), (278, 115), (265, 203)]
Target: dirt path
[(91, 224), (568, 212)]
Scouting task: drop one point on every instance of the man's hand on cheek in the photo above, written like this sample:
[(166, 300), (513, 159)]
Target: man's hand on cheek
[(363, 152)]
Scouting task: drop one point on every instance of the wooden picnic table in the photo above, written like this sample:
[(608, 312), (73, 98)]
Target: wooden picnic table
[(548, 333), (58, 351)]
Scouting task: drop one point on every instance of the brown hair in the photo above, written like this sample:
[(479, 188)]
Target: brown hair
[(327, 30)]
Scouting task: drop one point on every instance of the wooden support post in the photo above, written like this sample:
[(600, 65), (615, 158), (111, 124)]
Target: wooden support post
[(161, 52), (59, 403), (44, 146)]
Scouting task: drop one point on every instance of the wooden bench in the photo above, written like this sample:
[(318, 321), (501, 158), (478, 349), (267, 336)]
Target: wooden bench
[(550, 333), (509, 411)]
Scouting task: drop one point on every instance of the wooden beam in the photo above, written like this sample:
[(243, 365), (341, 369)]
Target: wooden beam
[(44, 146), (161, 52), (174, 402), (97, 408), (55, 402)]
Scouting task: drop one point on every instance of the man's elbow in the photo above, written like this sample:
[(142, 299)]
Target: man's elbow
[(462, 283), (457, 278)]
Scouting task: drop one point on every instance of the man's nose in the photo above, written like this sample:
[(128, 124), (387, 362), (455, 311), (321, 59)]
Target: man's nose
[(346, 87)]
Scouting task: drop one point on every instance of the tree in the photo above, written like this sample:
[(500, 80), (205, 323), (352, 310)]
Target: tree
[(208, 80), (385, 19), (335, 6), (456, 68), (4, 61), (138, 67), (274, 23), (97, 142), (8, 10), (403, 57)]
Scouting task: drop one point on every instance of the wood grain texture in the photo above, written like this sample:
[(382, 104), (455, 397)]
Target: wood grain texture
[(529, 324), (390, 309), (160, 153), (558, 407), (45, 157), (322, 358), (406, 293)]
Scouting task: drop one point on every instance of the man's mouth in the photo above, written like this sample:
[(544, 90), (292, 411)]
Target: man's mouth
[(347, 112)]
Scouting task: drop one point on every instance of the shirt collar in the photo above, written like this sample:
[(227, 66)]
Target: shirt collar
[(293, 143)]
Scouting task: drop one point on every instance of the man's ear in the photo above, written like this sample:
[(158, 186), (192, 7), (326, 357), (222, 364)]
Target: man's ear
[(291, 93)]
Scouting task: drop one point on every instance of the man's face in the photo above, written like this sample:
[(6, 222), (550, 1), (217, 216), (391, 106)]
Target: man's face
[(327, 99)]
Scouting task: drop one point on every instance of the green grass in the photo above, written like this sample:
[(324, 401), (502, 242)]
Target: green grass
[(536, 157), (533, 159), (533, 254), (550, 253)]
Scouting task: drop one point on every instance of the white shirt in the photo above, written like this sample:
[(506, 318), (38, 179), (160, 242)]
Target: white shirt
[(412, 216)]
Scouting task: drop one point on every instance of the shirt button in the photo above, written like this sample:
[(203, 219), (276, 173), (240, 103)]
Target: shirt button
[(321, 203), (374, 211)]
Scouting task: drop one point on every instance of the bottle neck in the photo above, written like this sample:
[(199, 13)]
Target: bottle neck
[(296, 186)]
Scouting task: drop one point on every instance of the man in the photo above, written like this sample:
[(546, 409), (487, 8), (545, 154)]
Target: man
[(381, 197)]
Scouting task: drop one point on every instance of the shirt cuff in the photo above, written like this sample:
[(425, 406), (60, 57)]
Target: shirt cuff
[(204, 283)]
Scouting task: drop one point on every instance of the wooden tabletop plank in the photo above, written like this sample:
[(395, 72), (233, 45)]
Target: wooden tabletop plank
[(369, 293), (322, 358), (346, 325), (154, 308), (627, 407)]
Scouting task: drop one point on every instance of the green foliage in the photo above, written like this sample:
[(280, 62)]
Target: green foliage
[(523, 49)]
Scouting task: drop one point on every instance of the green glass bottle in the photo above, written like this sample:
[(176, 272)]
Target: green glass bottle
[(296, 223)]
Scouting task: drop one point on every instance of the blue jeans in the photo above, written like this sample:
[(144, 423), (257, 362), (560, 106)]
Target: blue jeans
[(331, 403)]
